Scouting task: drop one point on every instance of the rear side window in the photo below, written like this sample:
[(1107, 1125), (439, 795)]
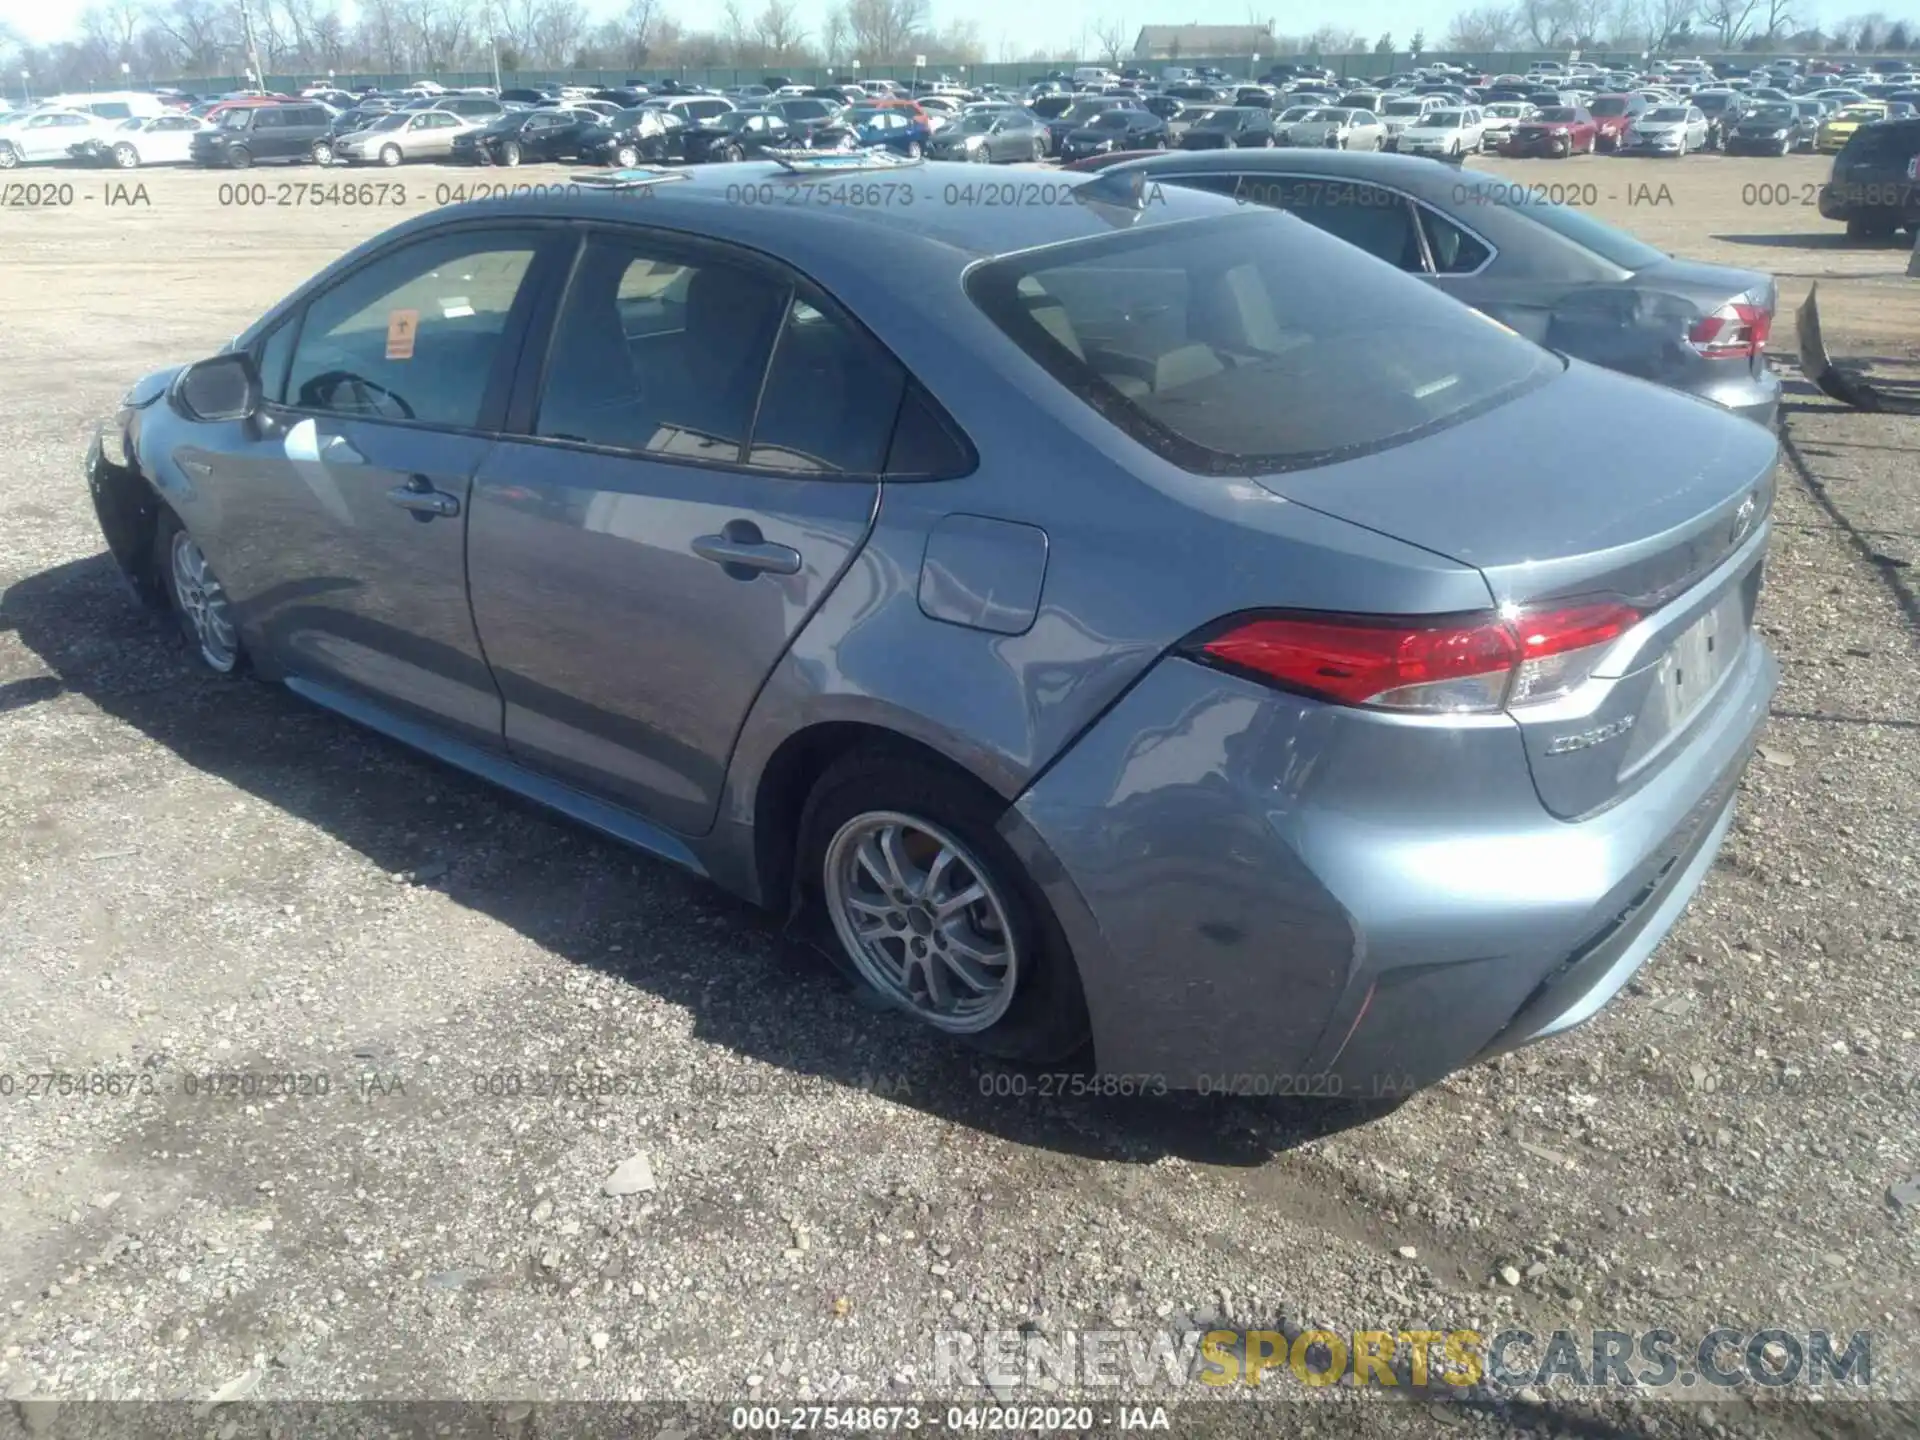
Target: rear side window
[(1899, 141), (1378, 221), (1199, 341)]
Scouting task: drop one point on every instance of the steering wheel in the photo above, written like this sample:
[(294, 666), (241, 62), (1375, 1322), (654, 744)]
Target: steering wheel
[(321, 393)]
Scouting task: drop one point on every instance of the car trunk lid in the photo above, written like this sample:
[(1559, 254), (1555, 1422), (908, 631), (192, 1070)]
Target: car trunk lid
[(1669, 514)]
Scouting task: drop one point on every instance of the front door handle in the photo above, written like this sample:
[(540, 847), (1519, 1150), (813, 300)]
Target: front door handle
[(743, 552), (419, 496)]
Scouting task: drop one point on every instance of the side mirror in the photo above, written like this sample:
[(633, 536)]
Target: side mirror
[(226, 387)]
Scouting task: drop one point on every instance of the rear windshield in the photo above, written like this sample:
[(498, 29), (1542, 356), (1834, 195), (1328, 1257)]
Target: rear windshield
[(1615, 246), (1200, 341), (1608, 106)]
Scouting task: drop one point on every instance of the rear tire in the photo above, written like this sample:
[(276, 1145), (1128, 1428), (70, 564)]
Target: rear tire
[(896, 937), (322, 152), (9, 157)]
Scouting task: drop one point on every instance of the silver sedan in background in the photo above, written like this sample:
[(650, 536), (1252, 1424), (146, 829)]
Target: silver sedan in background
[(403, 135)]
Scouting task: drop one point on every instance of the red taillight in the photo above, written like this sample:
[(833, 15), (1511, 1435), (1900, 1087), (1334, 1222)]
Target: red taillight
[(1478, 662), (1734, 331)]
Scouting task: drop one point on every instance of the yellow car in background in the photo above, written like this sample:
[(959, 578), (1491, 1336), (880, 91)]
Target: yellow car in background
[(1836, 130)]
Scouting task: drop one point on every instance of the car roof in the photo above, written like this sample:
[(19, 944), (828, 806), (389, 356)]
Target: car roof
[(954, 211), (1433, 180)]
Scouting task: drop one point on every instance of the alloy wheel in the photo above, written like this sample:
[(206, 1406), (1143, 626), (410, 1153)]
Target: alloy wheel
[(203, 605), (922, 920), (126, 157)]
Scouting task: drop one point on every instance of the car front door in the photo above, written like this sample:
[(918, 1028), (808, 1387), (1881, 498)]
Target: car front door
[(344, 506), (703, 440)]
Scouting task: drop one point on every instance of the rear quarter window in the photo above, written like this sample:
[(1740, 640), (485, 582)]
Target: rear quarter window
[(1199, 341)]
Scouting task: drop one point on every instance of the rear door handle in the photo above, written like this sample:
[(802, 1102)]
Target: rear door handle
[(743, 552), (419, 496)]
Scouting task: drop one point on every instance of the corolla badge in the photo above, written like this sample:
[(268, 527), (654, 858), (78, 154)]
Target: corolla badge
[(1587, 739), (1743, 520)]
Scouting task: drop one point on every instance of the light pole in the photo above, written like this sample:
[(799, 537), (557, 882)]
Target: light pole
[(126, 76), (26, 96)]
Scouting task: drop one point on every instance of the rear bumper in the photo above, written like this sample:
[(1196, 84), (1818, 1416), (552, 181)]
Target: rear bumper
[(1750, 396), (1270, 895)]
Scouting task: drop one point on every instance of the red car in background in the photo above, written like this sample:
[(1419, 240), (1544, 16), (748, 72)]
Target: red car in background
[(1612, 117), (1557, 131)]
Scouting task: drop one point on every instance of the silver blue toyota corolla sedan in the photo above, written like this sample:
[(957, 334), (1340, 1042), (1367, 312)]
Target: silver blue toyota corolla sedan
[(1119, 615)]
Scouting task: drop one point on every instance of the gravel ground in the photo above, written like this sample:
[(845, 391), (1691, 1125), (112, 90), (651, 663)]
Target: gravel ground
[(203, 877)]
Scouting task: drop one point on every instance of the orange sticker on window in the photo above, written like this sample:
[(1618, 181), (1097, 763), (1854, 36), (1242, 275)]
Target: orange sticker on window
[(402, 327)]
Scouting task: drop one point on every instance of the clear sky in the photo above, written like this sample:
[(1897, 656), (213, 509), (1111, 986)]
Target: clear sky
[(1017, 22)]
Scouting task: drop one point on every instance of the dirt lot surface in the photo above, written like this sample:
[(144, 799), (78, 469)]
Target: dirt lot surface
[(202, 877)]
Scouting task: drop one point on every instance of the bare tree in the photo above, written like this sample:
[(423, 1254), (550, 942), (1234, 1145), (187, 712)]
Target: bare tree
[(1545, 22), (1664, 22), (833, 37), (1729, 19), (1489, 28), (196, 33), (778, 30), (885, 30), (1110, 40), (1776, 18)]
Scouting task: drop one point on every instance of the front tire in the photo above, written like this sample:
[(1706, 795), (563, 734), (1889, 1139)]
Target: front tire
[(198, 599), (239, 157), (914, 150), (626, 157), (510, 153), (390, 156), (126, 157), (322, 152), (9, 157), (932, 910)]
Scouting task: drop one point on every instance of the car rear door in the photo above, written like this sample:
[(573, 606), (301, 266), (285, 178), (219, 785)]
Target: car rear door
[(695, 465)]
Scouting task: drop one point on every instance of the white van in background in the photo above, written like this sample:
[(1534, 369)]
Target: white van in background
[(111, 104)]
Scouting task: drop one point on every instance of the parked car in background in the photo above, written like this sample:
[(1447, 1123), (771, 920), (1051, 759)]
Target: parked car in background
[(648, 135), (1557, 132), (1114, 131), (1875, 183), (1498, 119), (1667, 130), (996, 137), (403, 135), (1333, 127), (1327, 775), (1612, 116), (900, 126), (35, 136), (556, 132), (161, 140), (1078, 116), (1231, 127), (803, 114), (279, 132), (736, 135), (1772, 129), (1403, 110), (1445, 134), (1555, 274), (1837, 129)]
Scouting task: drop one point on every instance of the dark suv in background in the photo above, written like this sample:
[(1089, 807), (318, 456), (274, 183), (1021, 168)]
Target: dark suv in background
[(1875, 185), (294, 131)]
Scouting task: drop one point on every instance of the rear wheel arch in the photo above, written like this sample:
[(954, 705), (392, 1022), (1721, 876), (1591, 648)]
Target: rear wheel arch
[(794, 770)]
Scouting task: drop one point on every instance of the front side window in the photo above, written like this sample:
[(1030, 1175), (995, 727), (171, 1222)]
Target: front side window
[(1198, 340), (414, 335)]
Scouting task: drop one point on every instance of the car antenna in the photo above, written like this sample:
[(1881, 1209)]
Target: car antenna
[(805, 162), (634, 179)]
